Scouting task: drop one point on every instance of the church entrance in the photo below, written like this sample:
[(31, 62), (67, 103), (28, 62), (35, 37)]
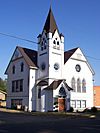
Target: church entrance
[(62, 99), (61, 104)]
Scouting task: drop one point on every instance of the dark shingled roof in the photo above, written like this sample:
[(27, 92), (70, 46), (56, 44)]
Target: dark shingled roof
[(54, 85), (68, 54), (42, 83), (29, 55), (50, 24)]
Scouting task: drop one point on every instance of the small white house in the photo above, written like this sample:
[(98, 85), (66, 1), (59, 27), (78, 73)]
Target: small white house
[(49, 77)]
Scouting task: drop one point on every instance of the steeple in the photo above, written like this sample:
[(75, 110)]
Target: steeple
[(50, 24)]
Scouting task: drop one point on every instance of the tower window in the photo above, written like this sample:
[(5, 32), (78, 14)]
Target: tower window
[(58, 46), (43, 66), (57, 42), (43, 44), (54, 42)]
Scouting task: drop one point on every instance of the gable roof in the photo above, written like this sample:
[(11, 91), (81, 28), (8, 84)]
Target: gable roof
[(54, 85), (50, 24), (29, 55), (68, 54), (42, 83)]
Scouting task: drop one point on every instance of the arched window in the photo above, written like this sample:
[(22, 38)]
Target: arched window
[(22, 67), (83, 85), (13, 69), (78, 85), (54, 44), (73, 84), (62, 92)]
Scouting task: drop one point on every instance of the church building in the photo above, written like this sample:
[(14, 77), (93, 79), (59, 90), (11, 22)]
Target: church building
[(50, 78)]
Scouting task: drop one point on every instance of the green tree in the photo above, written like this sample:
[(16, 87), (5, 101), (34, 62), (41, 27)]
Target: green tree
[(3, 84)]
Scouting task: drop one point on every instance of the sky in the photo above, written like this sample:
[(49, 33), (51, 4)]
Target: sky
[(78, 20)]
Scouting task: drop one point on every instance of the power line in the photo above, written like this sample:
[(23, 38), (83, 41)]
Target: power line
[(93, 58), (16, 37)]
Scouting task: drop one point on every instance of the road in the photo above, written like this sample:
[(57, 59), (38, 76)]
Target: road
[(30, 123)]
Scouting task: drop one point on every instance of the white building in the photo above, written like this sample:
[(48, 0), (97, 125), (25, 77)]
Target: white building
[(49, 76)]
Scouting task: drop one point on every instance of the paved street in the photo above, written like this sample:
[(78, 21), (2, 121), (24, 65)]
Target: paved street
[(30, 123)]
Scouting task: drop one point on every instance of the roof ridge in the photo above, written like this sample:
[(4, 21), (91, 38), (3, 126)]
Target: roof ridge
[(69, 53), (72, 49), (27, 56), (26, 48)]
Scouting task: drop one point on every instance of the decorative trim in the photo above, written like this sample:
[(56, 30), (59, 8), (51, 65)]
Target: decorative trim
[(43, 54), (17, 58), (56, 53)]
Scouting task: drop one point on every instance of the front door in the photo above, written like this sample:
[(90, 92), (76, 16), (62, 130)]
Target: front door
[(61, 104), (61, 99)]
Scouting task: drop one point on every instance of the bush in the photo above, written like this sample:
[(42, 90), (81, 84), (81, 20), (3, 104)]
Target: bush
[(94, 109), (86, 110), (71, 109)]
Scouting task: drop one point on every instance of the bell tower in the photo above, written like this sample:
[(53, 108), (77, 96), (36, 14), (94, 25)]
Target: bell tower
[(50, 50)]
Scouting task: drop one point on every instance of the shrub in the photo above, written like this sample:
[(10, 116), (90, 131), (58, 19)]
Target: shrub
[(94, 109), (71, 109)]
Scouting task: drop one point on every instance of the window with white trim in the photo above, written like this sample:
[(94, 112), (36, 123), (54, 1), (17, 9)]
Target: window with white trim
[(22, 67), (17, 85), (78, 85), (83, 103), (73, 103), (83, 85), (13, 69), (73, 84), (78, 103)]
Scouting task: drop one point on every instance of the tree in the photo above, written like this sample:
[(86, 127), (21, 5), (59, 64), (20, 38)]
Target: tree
[(3, 84)]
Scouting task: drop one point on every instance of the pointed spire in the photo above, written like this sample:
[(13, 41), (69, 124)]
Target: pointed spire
[(50, 24)]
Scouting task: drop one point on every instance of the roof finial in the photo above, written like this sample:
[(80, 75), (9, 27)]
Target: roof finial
[(50, 4)]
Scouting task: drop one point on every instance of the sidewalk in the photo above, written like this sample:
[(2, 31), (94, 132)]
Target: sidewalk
[(54, 114), (10, 110)]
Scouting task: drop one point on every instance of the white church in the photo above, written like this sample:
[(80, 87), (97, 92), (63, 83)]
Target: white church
[(49, 78)]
